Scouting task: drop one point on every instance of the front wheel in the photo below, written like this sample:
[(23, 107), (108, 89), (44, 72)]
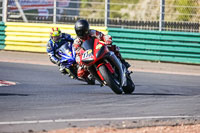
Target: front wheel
[(110, 80), (71, 71)]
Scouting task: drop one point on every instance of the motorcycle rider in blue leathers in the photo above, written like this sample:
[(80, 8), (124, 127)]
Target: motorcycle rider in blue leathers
[(57, 39)]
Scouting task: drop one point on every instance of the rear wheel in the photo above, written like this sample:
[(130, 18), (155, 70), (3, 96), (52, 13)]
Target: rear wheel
[(130, 87), (110, 80), (90, 81)]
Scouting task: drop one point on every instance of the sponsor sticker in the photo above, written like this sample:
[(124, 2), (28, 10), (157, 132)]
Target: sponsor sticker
[(98, 46)]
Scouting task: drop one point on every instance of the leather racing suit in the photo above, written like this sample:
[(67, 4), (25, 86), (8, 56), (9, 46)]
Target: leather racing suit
[(53, 46), (99, 35)]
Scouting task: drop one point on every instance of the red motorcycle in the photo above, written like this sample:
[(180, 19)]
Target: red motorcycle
[(106, 67)]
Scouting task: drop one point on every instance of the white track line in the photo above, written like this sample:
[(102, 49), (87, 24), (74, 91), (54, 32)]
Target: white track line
[(94, 119)]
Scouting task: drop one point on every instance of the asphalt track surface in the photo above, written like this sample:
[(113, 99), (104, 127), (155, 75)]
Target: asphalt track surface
[(43, 99)]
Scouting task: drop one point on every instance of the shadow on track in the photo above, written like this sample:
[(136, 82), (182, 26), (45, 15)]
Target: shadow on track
[(12, 94)]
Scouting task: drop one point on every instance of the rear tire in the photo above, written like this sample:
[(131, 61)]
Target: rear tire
[(130, 87), (91, 81), (109, 79)]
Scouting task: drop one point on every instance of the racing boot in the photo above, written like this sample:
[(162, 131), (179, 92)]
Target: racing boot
[(127, 65)]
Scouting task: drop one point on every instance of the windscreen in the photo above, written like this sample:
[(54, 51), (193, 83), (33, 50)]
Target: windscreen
[(64, 49), (88, 44)]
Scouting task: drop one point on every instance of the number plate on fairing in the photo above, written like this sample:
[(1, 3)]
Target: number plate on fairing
[(87, 54)]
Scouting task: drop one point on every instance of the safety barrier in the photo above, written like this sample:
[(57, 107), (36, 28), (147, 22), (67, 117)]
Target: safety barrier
[(2, 35), (167, 46), (33, 37)]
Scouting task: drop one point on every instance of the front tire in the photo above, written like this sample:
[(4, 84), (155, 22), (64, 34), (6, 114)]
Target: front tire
[(109, 79)]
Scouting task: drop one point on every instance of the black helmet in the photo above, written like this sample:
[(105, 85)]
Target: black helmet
[(81, 28)]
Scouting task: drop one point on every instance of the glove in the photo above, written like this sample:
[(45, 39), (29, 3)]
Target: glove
[(108, 42)]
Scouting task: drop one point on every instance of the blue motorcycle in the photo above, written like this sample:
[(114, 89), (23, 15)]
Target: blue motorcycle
[(67, 56)]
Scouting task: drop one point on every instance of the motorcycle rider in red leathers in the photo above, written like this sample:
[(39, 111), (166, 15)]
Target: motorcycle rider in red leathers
[(84, 33)]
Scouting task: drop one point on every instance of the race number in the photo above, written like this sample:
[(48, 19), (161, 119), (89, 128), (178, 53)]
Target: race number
[(87, 54)]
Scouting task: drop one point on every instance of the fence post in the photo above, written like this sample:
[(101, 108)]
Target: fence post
[(162, 15), (4, 12), (107, 12), (54, 11), (21, 11)]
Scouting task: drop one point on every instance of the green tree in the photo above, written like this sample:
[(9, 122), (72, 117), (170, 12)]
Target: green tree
[(88, 4)]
